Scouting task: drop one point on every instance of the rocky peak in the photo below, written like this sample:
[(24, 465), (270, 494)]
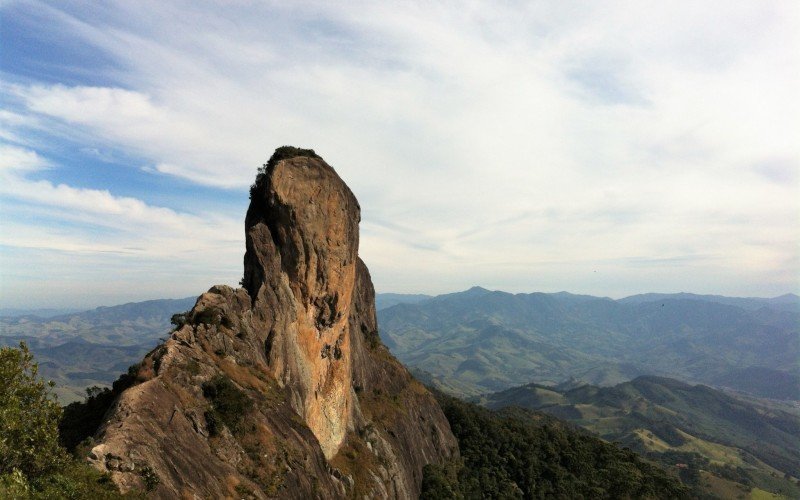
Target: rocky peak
[(302, 226), (282, 387), (312, 218)]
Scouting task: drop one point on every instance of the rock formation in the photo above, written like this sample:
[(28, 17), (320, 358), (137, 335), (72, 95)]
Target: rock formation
[(280, 388)]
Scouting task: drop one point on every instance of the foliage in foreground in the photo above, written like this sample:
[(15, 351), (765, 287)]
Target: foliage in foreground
[(33, 465), (516, 453), (81, 419)]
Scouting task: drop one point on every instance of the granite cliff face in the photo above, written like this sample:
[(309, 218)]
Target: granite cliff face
[(280, 388)]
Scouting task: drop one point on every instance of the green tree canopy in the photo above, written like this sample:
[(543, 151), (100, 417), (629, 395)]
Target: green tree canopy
[(29, 416), (33, 465)]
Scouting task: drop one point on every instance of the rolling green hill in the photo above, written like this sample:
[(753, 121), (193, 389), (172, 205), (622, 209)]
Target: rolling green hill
[(706, 430), (481, 341)]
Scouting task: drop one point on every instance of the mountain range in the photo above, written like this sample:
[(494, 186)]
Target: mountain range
[(496, 351), (480, 341), (91, 348)]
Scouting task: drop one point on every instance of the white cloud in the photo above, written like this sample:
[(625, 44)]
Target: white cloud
[(495, 143), (50, 221), (100, 205), (14, 159)]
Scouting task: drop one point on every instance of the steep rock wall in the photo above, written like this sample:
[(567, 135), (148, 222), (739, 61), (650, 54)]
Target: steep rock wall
[(280, 388)]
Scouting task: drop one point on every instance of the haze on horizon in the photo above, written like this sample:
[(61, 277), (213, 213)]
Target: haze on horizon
[(604, 148)]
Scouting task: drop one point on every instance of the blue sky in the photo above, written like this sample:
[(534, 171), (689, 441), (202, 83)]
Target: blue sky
[(608, 148)]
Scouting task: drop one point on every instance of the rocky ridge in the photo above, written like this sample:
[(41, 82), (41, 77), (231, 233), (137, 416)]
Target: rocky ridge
[(280, 388)]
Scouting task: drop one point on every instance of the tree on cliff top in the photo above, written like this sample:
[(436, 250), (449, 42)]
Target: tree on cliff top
[(282, 153), (286, 153)]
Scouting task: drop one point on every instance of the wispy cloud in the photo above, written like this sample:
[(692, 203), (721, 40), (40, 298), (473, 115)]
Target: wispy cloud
[(50, 219), (476, 135)]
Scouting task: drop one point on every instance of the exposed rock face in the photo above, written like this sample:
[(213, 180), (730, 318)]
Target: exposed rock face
[(280, 388), (300, 268)]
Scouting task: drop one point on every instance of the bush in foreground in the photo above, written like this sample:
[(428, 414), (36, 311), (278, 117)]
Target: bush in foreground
[(33, 464)]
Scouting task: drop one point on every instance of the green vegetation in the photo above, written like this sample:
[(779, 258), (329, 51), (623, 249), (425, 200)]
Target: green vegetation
[(29, 415), (282, 153), (179, 319), (193, 367), (517, 453), (210, 316), (228, 404), (705, 433), (81, 420), (32, 463), (150, 478), (286, 153)]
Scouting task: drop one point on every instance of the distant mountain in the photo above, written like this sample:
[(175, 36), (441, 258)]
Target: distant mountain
[(672, 422), (83, 349), (149, 310), (384, 300), (41, 313), (481, 341), (787, 302), (125, 324), (766, 382)]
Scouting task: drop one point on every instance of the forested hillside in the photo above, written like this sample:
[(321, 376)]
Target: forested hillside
[(518, 453)]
